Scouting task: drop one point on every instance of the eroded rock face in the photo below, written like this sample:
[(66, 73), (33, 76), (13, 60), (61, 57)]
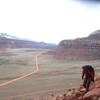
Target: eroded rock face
[(83, 48)]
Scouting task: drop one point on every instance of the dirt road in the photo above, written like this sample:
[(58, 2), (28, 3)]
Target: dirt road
[(24, 76)]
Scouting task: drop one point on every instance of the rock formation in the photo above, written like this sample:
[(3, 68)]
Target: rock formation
[(80, 94), (6, 42), (80, 49)]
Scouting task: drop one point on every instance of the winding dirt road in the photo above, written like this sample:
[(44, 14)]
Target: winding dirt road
[(24, 76)]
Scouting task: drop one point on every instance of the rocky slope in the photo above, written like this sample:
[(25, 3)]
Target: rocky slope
[(79, 94), (80, 49)]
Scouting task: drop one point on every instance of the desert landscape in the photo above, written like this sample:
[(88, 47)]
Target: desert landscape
[(49, 49), (53, 77)]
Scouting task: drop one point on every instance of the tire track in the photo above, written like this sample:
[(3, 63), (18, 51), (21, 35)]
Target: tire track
[(24, 76)]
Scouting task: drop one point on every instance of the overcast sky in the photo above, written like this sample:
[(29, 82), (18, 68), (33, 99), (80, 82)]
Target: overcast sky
[(49, 20)]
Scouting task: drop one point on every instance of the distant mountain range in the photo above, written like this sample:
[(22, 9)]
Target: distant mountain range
[(9, 41), (5, 35), (87, 48)]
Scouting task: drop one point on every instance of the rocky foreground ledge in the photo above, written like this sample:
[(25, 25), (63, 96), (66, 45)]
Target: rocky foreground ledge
[(80, 94)]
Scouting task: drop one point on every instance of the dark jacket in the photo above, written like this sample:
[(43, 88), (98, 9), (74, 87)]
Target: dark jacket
[(88, 73)]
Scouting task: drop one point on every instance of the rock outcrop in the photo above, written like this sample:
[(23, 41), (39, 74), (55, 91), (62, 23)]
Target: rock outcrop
[(80, 49), (80, 94)]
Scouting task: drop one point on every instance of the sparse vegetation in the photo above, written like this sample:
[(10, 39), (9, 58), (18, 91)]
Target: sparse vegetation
[(55, 75)]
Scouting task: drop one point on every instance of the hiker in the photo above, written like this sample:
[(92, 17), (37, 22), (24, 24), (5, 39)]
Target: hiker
[(88, 72)]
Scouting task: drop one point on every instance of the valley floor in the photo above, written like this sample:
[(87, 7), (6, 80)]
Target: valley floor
[(54, 76)]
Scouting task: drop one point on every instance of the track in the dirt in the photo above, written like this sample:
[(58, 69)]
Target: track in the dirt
[(24, 76)]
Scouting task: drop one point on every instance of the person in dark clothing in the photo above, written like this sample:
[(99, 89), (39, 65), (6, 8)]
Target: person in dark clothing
[(88, 72)]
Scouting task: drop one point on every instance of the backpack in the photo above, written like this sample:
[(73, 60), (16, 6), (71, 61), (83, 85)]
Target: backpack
[(89, 68)]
